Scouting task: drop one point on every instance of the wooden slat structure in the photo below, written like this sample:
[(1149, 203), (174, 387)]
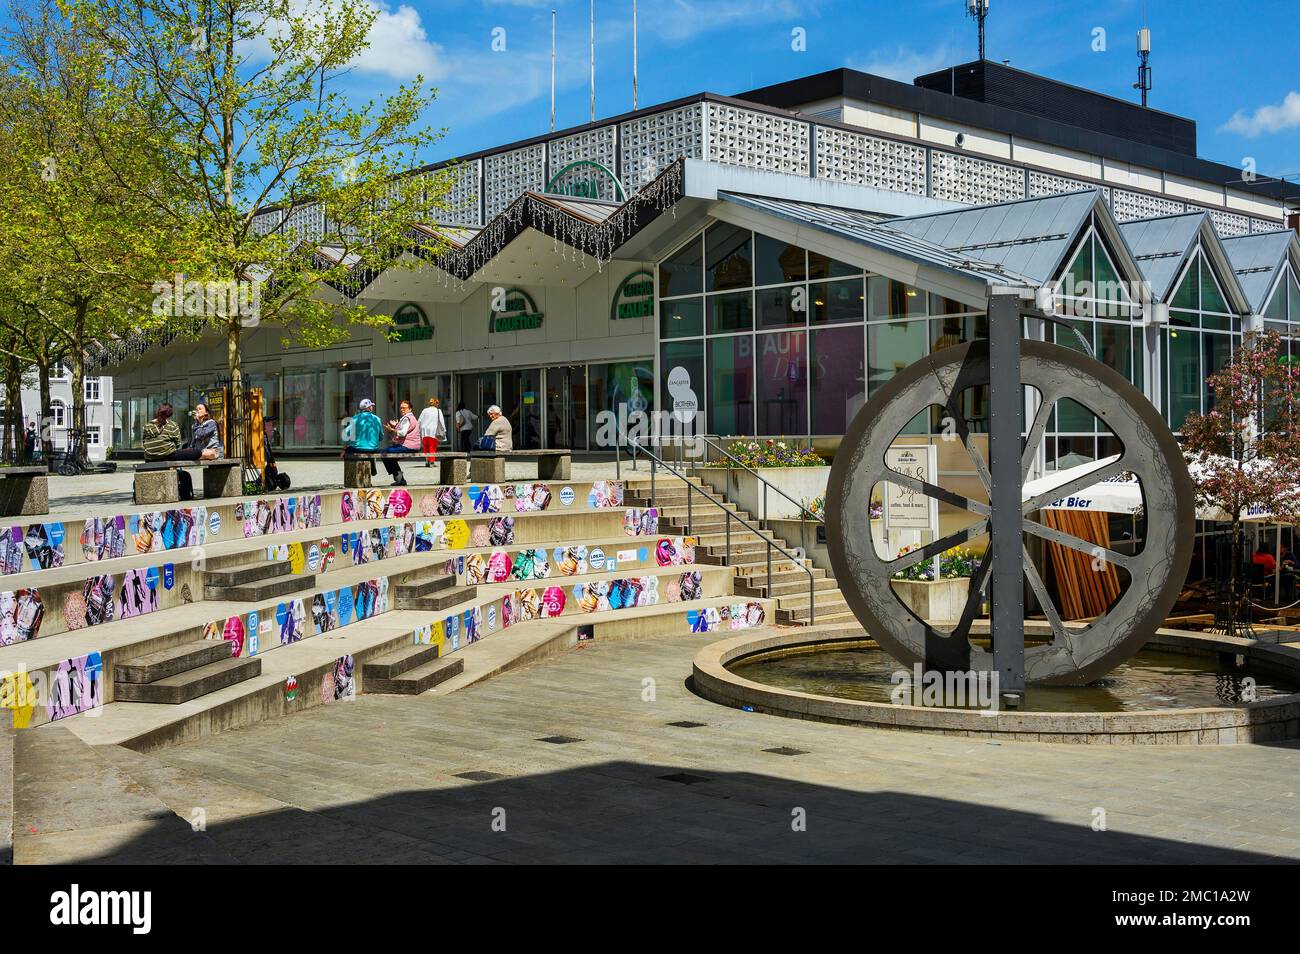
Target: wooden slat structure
[(1081, 590)]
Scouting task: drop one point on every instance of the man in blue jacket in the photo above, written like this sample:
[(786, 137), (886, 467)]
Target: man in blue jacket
[(366, 431)]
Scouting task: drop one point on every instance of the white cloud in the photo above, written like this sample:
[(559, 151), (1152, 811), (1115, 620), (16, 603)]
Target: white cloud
[(1266, 119), (904, 63), (399, 45), (682, 20)]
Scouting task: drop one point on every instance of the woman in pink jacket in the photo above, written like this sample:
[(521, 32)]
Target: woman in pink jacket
[(406, 440)]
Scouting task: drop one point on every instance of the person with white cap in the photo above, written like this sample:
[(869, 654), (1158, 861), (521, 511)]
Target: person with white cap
[(364, 434)]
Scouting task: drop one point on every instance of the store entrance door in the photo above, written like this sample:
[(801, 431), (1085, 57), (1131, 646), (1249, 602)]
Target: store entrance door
[(521, 403), (566, 407)]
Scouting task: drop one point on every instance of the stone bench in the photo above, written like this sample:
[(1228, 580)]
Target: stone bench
[(24, 491), (489, 467), (453, 466), (156, 481)]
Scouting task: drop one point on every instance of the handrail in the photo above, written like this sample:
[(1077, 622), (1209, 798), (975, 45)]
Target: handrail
[(804, 512), (729, 515)]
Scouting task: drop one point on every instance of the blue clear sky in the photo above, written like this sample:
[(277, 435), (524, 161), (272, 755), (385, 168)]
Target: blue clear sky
[(1213, 61)]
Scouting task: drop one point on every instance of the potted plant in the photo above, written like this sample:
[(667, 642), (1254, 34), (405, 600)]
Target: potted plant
[(936, 600), (798, 472)]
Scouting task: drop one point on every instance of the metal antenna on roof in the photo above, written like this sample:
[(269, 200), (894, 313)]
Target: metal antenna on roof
[(978, 9), (1144, 63), (593, 60), (552, 69), (634, 56)]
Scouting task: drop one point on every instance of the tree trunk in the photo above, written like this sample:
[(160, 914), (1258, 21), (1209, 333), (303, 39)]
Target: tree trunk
[(1234, 574), (47, 411), (78, 380), (235, 442), (14, 445)]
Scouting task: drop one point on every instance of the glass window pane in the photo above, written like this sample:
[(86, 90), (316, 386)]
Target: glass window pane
[(892, 347), (683, 274), (688, 355), (821, 266), (731, 386), (1295, 300), (1188, 295), (776, 263), (1115, 347), (782, 383), (1217, 350), (776, 306), (727, 258), (889, 299), (1183, 372), (1276, 309), (837, 301), (1211, 297), (838, 386), (1109, 291), (947, 306), (731, 312), (1079, 273), (683, 318)]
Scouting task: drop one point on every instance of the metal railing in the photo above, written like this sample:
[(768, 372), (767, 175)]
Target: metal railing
[(770, 544)]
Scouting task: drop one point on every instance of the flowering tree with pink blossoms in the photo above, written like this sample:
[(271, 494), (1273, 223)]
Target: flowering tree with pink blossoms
[(1244, 451)]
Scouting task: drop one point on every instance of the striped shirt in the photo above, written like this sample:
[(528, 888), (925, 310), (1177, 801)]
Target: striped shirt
[(161, 442)]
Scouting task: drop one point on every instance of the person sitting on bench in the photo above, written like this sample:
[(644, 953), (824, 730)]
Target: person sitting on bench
[(406, 440), (499, 431), (162, 441), (364, 433)]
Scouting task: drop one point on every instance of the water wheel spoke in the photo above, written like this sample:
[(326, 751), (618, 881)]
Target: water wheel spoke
[(1090, 547), (1059, 633), (954, 413), (979, 582), (1097, 475), (930, 550), (938, 493), (1035, 433)]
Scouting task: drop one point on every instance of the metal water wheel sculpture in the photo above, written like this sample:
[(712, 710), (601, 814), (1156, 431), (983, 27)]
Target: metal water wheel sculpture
[(1074, 655)]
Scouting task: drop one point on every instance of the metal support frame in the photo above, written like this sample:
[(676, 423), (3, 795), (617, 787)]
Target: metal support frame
[(1006, 409)]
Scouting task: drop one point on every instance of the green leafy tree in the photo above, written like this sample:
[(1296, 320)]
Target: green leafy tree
[(1245, 450), (291, 189), (87, 225)]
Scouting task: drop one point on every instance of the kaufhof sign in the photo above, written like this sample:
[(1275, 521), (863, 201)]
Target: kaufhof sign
[(634, 297), (412, 323), (587, 179), (513, 309)]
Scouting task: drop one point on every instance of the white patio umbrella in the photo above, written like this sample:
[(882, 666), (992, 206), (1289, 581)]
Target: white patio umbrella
[(1120, 494)]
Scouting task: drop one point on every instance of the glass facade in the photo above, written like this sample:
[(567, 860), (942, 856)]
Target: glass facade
[(779, 340), (1198, 341)]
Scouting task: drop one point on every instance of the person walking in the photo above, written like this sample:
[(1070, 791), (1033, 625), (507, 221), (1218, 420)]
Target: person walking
[(465, 419), (433, 428), (406, 440), (29, 442)]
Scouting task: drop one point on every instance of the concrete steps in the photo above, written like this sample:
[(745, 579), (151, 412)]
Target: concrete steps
[(410, 671), (423, 586), (258, 590), (244, 574), (191, 683), (169, 662), (791, 587), (441, 599), (420, 679)]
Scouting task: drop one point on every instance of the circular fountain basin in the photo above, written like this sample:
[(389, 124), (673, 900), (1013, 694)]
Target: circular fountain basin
[(1166, 694)]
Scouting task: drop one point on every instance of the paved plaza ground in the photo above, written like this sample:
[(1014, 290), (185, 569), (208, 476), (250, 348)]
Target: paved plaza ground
[(421, 779)]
